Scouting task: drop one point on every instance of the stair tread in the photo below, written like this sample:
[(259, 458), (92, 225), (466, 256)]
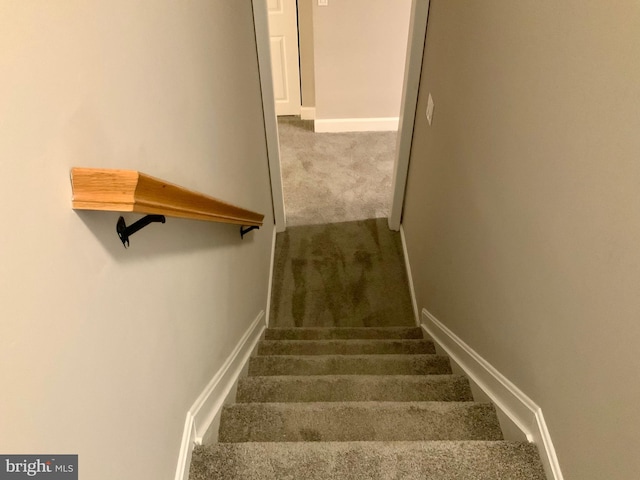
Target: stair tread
[(444, 460), (435, 405), (372, 356), (304, 333), (345, 346), (347, 341), (354, 364), (352, 421), (328, 388), (417, 378)]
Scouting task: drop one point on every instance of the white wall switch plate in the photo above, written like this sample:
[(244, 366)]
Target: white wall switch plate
[(323, 3), (429, 109)]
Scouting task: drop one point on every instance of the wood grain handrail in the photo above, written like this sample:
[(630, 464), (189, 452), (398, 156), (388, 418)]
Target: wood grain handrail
[(133, 191)]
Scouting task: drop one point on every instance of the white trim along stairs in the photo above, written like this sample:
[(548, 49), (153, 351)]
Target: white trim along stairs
[(206, 410), (508, 398)]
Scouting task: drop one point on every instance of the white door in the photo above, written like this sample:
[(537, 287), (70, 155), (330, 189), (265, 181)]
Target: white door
[(283, 33)]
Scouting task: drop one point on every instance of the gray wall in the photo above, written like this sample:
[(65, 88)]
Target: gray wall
[(103, 350), (360, 48), (522, 214)]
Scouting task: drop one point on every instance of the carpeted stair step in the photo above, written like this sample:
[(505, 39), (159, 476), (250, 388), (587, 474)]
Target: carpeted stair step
[(442, 460), (359, 421), (344, 347), (427, 364), (354, 388), (343, 333)]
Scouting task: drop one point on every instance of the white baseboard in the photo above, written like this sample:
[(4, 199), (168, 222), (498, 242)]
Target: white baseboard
[(209, 403), (334, 125), (412, 290), (186, 449), (520, 409), (307, 113)]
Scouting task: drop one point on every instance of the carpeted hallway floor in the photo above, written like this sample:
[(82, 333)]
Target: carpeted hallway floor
[(334, 177)]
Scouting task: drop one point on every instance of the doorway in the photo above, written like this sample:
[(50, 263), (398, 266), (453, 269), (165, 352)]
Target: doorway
[(409, 82)]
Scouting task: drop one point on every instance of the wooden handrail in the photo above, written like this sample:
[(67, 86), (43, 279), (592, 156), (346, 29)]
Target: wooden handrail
[(133, 191)]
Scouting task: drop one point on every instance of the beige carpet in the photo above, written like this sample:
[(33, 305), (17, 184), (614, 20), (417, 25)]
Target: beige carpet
[(351, 421), (334, 177), (349, 274)]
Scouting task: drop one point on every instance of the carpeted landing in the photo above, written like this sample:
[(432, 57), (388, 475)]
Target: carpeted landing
[(348, 274), (359, 397)]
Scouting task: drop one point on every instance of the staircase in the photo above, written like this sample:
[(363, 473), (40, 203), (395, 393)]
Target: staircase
[(358, 403), (355, 402)]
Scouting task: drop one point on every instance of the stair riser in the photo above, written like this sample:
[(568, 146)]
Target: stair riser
[(350, 365), (345, 347), (358, 422), (354, 389), (342, 333)]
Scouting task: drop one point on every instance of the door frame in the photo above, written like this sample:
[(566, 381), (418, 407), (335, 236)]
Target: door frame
[(410, 88), (263, 49), (411, 84)]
